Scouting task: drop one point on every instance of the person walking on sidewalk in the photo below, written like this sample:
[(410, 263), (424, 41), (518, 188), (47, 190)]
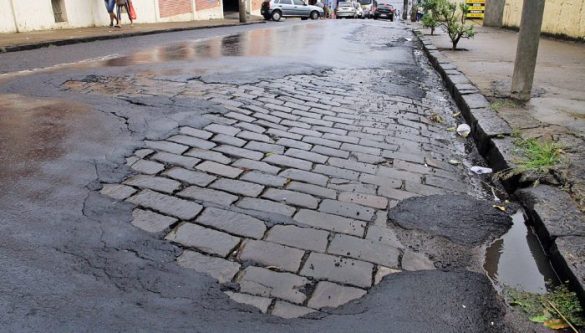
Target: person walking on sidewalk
[(124, 4), (110, 4)]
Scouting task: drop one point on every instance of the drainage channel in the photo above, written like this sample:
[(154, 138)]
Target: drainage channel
[(517, 260)]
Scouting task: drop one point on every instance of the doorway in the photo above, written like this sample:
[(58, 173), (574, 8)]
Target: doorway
[(59, 11)]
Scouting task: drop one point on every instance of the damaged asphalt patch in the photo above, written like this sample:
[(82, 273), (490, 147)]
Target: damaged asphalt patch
[(460, 218)]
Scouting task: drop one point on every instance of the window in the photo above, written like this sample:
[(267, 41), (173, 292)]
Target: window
[(286, 2), (299, 2), (59, 11)]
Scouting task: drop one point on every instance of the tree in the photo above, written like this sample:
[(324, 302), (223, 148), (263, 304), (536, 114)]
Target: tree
[(453, 20), (431, 14)]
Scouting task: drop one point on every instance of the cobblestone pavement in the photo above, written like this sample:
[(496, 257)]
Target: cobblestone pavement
[(283, 196)]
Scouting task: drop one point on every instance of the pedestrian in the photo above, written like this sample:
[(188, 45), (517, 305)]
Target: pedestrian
[(123, 4), (110, 4)]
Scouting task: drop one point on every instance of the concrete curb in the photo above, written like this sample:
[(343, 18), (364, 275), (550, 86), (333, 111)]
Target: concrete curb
[(558, 223), (77, 40)]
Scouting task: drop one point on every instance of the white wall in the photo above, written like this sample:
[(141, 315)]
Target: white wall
[(6, 17), (38, 14)]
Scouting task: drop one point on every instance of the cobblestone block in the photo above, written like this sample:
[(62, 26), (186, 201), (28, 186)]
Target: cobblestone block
[(395, 194), (332, 295), (271, 125), (364, 199), (302, 238), (367, 158), (364, 249), (292, 198), (204, 239), (320, 141), (283, 134), (253, 136), (234, 223), (381, 180), (304, 131), (205, 154), (270, 254), (398, 174), (220, 269), (195, 132), (422, 189), (306, 114), (317, 122), (184, 161), (264, 179), (228, 140), (377, 144), (353, 165), (160, 184), (240, 116), (143, 153), (167, 146), (342, 138), (219, 169), (293, 144), (295, 124), (268, 117), (336, 172), (416, 261), (151, 221), (183, 209), (284, 115), (222, 129), (412, 167), (343, 270), (287, 161), (262, 303), (383, 272), (404, 156), (330, 222), (346, 209), (256, 165), (275, 107), (312, 189), (237, 187), (305, 176), (384, 235), (239, 152), (305, 155), (265, 147), (208, 195), (116, 191), (192, 141), (263, 282), (330, 151), (361, 149), (266, 206), (188, 176), (329, 130), (147, 167), (250, 127), (288, 311)]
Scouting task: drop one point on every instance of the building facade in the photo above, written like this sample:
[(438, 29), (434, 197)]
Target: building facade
[(31, 15)]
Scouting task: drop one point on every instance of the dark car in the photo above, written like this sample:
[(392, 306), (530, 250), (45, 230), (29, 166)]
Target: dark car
[(384, 10)]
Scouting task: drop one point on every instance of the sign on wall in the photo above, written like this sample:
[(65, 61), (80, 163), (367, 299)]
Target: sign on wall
[(476, 8)]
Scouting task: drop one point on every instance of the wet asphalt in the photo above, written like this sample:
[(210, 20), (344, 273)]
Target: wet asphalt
[(70, 260)]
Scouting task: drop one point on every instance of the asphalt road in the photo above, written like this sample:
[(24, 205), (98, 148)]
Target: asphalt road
[(71, 261)]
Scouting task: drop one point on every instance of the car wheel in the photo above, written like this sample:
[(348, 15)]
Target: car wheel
[(276, 15), (266, 17), (314, 15)]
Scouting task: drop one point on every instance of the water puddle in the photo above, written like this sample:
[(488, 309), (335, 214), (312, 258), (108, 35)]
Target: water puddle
[(517, 260)]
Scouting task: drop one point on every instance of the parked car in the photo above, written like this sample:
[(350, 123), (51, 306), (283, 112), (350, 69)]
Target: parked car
[(346, 9), (358, 9), (276, 9), (369, 7), (384, 10)]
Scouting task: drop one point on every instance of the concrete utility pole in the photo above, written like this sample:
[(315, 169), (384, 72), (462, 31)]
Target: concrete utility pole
[(405, 10), (527, 50), (242, 5)]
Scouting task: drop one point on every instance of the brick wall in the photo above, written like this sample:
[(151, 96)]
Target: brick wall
[(174, 7), (206, 4)]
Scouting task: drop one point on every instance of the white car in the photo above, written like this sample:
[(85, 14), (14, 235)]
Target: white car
[(345, 9)]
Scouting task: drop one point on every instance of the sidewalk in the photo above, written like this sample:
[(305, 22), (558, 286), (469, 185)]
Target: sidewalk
[(11, 42), (556, 112)]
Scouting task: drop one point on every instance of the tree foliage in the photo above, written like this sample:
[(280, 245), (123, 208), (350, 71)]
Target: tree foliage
[(450, 16)]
